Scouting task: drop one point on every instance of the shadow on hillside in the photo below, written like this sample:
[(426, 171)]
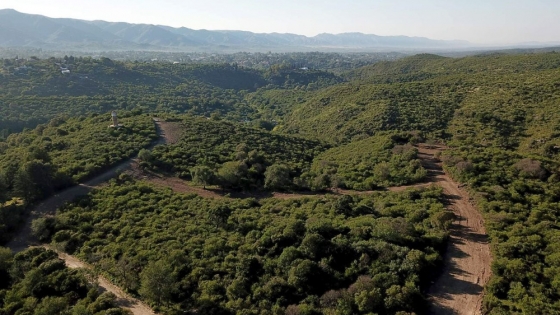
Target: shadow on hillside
[(260, 194)]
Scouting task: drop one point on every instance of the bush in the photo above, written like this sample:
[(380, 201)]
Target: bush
[(530, 168), (42, 228)]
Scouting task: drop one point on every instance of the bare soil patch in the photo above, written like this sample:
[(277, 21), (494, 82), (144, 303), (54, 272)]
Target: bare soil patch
[(170, 132)]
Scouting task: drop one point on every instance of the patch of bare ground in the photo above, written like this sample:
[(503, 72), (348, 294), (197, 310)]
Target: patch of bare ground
[(169, 132)]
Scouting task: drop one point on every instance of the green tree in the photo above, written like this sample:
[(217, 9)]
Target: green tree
[(42, 228), (232, 173), (202, 175), (277, 176), (51, 305), (3, 189), (145, 155), (157, 282), (34, 180)]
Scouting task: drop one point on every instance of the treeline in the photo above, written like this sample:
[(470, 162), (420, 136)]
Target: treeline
[(349, 255), (37, 282)]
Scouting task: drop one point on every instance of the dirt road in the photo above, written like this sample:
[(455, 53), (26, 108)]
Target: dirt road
[(25, 238), (458, 290), (123, 300)]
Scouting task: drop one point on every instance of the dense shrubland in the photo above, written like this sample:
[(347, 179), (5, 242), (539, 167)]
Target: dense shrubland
[(37, 282), (498, 113), (379, 161), (328, 254), (36, 163)]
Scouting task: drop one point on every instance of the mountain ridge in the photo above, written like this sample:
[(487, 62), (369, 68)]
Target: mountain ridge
[(32, 30)]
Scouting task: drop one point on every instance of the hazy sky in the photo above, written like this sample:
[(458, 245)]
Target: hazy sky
[(478, 21)]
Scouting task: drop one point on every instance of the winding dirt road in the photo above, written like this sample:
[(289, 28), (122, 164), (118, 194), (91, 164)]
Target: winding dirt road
[(24, 238), (459, 288)]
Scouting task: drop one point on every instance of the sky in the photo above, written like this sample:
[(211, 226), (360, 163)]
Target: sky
[(488, 22)]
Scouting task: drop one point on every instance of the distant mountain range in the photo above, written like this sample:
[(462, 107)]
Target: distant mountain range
[(29, 30)]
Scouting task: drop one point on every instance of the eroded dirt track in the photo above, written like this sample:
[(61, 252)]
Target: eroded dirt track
[(458, 290), (25, 239), (123, 300)]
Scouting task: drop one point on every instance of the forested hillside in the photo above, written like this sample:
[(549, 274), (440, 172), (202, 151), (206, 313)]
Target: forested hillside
[(32, 91), (288, 129), (423, 93), (379, 161), (235, 156)]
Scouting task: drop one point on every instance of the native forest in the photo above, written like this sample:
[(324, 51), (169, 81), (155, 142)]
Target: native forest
[(298, 184)]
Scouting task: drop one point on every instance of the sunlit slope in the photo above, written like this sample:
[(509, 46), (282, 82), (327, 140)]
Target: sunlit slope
[(343, 112), (482, 97), (520, 113)]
